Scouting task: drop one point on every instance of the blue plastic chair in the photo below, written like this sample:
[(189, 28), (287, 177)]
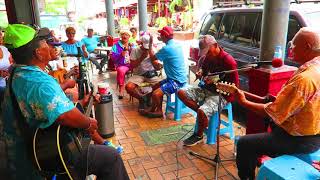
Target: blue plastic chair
[(308, 158), (213, 124), (287, 167), (177, 107)]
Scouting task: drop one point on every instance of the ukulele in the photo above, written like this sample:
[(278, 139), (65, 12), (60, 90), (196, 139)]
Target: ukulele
[(61, 74)]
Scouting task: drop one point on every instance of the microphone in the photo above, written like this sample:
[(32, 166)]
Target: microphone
[(276, 63)]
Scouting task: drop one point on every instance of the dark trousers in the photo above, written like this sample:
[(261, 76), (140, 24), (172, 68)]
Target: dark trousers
[(102, 63), (273, 144), (104, 162)]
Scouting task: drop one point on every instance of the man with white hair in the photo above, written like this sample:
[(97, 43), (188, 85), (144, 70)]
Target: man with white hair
[(295, 112), (145, 71)]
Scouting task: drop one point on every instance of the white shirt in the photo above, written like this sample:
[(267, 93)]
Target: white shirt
[(145, 65), (4, 63)]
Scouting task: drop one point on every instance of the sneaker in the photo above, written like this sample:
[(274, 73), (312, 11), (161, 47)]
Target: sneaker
[(192, 140)]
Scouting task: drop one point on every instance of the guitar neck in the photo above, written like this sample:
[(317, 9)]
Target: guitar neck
[(69, 74), (89, 106)]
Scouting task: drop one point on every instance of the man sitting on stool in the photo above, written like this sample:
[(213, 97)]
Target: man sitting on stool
[(205, 100), (173, 63), (295, 112), (145, 74)]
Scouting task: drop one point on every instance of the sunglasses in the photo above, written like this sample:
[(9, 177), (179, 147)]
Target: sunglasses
[(71, 33)]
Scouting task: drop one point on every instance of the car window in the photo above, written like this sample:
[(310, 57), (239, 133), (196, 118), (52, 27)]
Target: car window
[(211, 25), (257, 32), (313, 18), (293, 27), (226, 25), (242, 29)]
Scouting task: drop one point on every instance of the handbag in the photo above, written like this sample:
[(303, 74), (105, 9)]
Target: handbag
[(150, 74)]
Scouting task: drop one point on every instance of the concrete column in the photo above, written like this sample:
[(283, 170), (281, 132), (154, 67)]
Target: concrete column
[(23, 10), (274, 27), (110, 17), (36, 12), (143, 15)]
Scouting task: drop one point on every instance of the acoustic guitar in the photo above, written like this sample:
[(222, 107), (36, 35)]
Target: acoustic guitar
[(61, 74), (56, 148), (230, 88)]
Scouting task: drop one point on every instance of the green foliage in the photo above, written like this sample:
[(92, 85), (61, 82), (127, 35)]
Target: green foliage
[(57, 7)]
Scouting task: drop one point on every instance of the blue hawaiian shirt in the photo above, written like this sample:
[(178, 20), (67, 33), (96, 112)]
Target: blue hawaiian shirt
[(41, 101)]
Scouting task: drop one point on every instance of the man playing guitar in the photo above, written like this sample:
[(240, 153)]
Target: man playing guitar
[(205, 100), (294, 113), (35, 100)]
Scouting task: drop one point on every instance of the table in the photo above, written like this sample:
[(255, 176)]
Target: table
[(99, 49), (108, 50)]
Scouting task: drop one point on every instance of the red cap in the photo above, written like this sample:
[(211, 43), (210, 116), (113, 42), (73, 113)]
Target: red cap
[(166, 31)]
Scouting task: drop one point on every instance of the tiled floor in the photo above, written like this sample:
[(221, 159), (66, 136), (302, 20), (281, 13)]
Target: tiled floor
[(160, 161)]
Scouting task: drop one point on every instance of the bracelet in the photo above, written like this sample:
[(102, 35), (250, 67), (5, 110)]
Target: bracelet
[(89, 125)]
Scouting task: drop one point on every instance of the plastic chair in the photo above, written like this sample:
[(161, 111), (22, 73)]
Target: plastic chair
[(177, 107), (213, 123), (287, 167), (308, 158)]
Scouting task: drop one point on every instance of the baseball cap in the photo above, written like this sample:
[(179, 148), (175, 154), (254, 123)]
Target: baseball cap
[(17, 35), (166, 31), (205, 43), (145, 39)]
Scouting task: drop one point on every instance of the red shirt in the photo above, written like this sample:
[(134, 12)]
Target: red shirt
[(222, 62)]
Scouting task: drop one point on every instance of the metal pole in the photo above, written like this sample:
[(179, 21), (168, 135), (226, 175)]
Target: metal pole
[(143, 15), (159, 9), (274, 27), (110, 17)]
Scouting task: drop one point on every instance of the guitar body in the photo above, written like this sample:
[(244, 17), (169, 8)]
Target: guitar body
[(59, 75), (56, 150)]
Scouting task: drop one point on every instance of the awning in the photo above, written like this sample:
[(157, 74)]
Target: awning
[(124, 3)]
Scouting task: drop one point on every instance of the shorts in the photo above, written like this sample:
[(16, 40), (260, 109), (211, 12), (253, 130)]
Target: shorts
[(207, 100), (170, 86)]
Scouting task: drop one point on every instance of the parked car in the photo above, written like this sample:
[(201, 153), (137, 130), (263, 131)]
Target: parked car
[(238, 30)]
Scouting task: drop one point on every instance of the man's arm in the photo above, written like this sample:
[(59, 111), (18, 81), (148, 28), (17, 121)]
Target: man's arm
[(258, 108), (85, 52), (75, 119), (240, 97), (150, 51)]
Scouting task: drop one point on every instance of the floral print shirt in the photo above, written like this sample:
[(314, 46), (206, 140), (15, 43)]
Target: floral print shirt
[(41, 101), (296, 108)]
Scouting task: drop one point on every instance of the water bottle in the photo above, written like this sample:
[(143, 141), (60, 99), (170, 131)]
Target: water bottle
[(277, 52), (126, 56), (236, 139)]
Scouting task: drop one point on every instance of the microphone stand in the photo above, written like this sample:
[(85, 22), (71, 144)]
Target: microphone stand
[(217, 159), (83, 87), (244, 68)]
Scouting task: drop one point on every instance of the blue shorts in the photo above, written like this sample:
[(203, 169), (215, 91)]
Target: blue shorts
[(170, 86)]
